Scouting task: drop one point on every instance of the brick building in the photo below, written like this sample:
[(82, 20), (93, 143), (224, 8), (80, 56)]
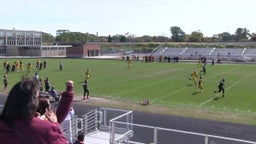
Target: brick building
[(86, 50)]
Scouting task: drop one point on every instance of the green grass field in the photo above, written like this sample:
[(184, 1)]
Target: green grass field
[(164, 84)]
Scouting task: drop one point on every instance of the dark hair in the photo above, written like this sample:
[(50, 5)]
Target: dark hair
[(80, 137), (22, 101)]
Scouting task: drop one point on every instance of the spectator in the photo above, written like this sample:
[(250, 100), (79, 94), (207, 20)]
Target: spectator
[(47, 84), (5, 82), (43, 106), (65, 102), (40, 83), (80, 139), (54, 93), (19, 123), (36, 76)]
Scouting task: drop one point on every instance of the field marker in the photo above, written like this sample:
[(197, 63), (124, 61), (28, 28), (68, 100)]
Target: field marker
[(237, 82)]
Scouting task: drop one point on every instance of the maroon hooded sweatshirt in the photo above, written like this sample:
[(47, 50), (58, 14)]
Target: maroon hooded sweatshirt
[(39, 131)]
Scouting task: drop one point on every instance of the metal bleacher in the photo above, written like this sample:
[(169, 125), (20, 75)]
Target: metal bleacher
[(242, 54), (250, 53)]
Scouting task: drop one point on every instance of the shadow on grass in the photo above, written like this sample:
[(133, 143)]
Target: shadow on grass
[(195, 93), (189, 85), (217, 98)]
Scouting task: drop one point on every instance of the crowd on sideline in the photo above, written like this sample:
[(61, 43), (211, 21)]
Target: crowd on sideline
[(151, 58)]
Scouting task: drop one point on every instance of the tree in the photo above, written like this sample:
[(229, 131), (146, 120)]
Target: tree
[(147, 38), (241, 34), (75, 38), (253, 37), (196, 37), (109, 38), (48, 38), (177, 34), (225, 37), (116, 38), (122, 38), (160, 39)]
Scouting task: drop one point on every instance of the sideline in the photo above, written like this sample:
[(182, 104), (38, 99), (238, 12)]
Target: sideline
[(237, 82)]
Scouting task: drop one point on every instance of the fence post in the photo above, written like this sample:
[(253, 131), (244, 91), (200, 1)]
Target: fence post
[(206, 139), (155, 135), (112, 132)]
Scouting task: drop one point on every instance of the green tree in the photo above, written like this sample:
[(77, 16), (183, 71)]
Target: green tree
[(137, 39), (160, 39), (241, 34), (253, 37), (47, 38), (116, 38), (225, 37), (177, 34), (147, 38), (122, 38), (109, 38), (75, 38), (196, 37)]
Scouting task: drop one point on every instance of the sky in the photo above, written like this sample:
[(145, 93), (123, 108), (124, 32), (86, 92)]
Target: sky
[(138, 17)]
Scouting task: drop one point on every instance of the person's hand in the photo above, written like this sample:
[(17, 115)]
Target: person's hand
[(51, 115), (69, 83)]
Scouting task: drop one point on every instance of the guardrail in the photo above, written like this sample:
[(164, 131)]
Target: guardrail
[(127, 129), (100, 120), (170, 133)]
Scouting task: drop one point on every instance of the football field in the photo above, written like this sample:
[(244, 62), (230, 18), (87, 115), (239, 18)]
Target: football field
[(163, 84)]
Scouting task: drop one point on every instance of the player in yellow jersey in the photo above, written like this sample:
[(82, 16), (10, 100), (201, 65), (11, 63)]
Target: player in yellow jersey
[(29, 67), (129, 64), (199, 62), (21, 66), (200, 84), (87, 74), (194, 77)]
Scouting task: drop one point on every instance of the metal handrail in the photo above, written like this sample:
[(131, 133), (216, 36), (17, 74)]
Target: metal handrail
[(206, 136)]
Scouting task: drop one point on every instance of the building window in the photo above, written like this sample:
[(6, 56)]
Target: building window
[(1, 42)]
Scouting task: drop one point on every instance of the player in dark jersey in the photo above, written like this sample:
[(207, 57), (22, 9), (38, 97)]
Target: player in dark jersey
[(221, 87), (86, 90)]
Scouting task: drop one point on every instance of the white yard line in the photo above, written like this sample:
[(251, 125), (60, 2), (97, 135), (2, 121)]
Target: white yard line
[(234, 84)]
